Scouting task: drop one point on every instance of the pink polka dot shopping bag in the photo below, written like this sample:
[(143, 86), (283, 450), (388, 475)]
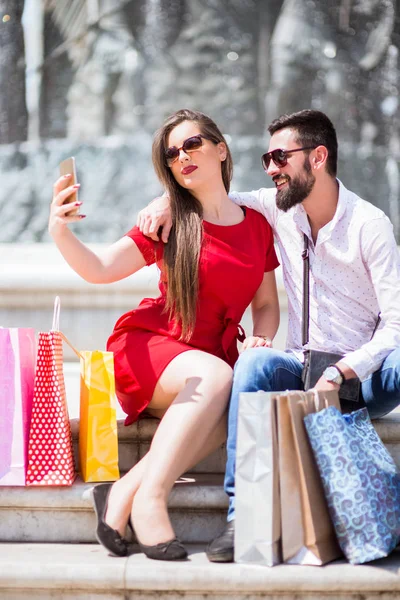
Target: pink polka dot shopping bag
[(17, 374), (50, 454)]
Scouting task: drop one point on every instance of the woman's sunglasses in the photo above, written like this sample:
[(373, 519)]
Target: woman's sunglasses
[(193, 143), (280, 157)]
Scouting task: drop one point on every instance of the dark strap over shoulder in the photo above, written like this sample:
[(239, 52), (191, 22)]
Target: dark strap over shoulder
[(306, 291)]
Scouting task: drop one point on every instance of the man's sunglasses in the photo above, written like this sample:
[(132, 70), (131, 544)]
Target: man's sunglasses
[(280, 157), (193, 143)]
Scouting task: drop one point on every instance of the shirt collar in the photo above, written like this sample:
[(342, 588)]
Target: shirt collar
[(301, 220)]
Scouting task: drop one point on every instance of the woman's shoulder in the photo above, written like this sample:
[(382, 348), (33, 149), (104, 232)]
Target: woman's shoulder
[(258, 225)]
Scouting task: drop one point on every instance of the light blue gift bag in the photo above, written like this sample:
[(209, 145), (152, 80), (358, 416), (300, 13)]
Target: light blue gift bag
[(360, 481)]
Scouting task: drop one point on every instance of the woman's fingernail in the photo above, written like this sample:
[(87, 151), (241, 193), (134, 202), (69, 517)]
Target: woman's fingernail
[(78, 203), (68, 175), (76, 186), (82, 216)]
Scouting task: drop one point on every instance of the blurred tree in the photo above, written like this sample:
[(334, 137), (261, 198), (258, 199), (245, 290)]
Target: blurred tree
[(333, 56), (57, 75), (13, 111)]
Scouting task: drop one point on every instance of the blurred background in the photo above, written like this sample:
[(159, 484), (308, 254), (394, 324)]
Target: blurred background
[(95, 78)]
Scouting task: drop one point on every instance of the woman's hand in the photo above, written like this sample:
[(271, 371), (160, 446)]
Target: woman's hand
[(58, 219), (157, 214), (254, 341)]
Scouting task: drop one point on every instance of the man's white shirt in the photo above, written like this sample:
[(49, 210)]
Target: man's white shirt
[(354, 276)]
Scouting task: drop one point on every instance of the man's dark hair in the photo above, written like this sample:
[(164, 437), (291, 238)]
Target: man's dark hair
[(313, 128)]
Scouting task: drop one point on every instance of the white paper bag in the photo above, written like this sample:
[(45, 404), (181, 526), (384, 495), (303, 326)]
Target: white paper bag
[(258, 517)]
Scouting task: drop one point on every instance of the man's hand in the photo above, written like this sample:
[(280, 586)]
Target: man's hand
[(323, 385), (157, 214), (254, 341)]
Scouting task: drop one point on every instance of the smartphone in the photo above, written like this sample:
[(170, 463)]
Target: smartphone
[(67, 166)]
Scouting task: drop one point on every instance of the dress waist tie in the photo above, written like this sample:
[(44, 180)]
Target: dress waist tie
[(233, 331)]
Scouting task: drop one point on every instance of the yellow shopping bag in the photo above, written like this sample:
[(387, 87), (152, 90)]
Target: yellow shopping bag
[(98, 439)]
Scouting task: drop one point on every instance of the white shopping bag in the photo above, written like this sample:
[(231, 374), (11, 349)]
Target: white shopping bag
[(258, 513)]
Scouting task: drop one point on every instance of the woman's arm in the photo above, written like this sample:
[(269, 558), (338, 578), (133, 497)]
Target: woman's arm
[(265, 311), (116, 262)]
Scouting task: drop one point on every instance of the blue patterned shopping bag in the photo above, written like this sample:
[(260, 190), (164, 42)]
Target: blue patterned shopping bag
[(360, 481)]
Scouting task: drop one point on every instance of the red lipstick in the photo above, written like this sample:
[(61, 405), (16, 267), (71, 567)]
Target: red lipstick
[(188, 170)]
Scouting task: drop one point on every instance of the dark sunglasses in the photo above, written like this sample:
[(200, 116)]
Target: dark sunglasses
[(193, 143), (280, 157)]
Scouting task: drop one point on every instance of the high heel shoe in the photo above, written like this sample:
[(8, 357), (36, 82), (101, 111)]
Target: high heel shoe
[(106, 535), (172, 550)]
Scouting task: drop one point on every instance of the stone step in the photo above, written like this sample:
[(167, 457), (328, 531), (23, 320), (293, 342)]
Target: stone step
[(197, 506), (86, 572), (134, 442)]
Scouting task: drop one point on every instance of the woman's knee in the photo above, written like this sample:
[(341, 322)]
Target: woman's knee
[(214, 372), (199, 369)]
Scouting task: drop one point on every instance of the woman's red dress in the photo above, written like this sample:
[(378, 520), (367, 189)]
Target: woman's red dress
[(233, 260)]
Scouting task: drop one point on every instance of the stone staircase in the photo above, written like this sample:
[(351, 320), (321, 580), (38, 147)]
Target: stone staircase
[(65, 514), (48, 549)]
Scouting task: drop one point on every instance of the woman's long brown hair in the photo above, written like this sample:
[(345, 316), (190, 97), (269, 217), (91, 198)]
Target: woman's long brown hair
[(182, 252)]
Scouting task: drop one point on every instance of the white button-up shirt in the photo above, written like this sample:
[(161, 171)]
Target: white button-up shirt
[(354, 276)]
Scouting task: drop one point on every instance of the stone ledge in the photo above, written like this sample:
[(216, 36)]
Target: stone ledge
[(74, 568), (41, 269), (192, 491), (59, 566), (388, 429), (142, 430)]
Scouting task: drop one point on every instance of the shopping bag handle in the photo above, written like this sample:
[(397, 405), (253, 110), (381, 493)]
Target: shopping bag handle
[(56, 314), (56, 325), (66, 340)]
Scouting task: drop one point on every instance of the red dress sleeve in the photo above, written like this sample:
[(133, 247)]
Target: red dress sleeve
[(151, 251)]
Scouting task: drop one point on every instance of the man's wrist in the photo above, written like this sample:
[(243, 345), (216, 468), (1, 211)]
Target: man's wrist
[(333, 374)]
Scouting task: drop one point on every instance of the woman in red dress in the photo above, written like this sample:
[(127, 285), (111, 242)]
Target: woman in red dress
[(174, 354)]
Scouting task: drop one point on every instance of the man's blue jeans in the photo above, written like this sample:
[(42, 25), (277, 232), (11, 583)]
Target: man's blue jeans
[(274, 371)]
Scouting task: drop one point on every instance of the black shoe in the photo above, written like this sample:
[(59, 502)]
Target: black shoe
[(106, 535), (222, 547), (172, 550)]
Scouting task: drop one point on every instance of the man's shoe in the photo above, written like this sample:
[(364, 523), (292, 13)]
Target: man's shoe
[(221, 548)]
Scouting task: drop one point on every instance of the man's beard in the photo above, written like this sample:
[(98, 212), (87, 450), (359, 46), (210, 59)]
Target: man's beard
[(296, 190)]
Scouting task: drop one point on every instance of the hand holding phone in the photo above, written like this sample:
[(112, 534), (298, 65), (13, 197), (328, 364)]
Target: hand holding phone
[(67, 166)]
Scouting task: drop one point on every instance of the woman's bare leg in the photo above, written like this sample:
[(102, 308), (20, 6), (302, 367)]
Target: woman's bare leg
[(171, 383), (195, 389), (123, 491)]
